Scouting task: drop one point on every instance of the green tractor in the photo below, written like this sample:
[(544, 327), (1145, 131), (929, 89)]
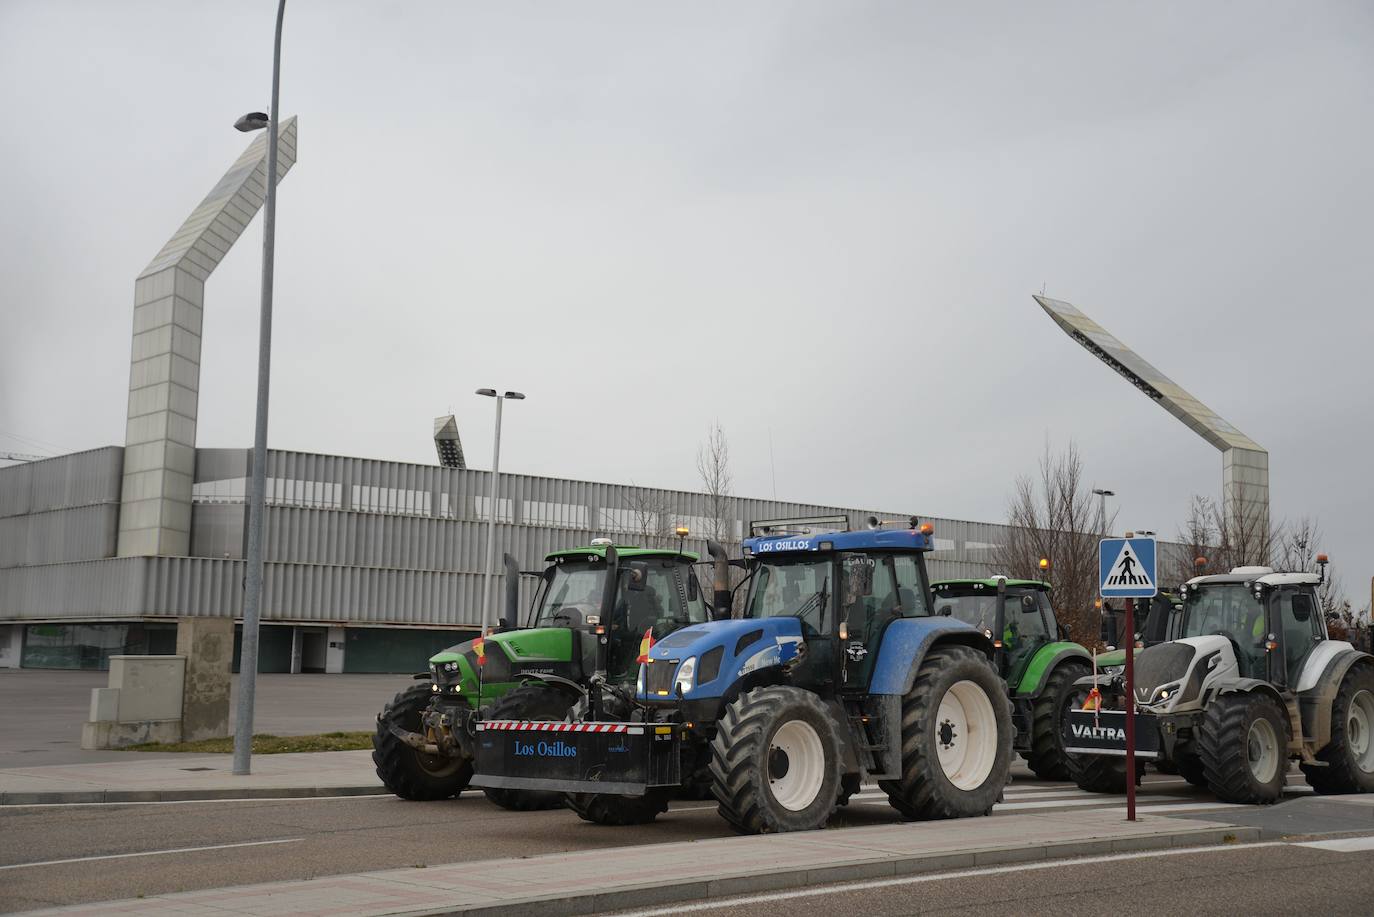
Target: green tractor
[(583, 623), (1032, 652)]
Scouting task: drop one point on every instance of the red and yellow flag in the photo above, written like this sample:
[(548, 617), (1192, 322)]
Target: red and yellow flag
[(479, 646), (1094, 700), (645, 645)]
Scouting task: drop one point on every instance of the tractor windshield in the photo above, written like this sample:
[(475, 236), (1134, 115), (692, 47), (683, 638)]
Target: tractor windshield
[(569, 588), (799, 587), (1230, 609), (978, 609)]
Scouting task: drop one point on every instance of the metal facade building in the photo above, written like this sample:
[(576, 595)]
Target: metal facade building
[(365, 559)]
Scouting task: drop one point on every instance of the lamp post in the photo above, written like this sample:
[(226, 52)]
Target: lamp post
[(257, 493), (491, 501), (1102, 508)]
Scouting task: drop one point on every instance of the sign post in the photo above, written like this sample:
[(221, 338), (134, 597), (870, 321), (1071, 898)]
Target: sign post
[(1127, 569)]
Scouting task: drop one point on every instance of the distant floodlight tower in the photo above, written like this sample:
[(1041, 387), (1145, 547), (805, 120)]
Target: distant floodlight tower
[(1244, 463), (447, 443)]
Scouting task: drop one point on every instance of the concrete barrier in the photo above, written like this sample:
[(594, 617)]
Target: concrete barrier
[(141, 704)]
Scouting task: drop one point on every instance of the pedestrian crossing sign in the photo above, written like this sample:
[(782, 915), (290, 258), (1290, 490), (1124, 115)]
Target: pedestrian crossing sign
[(1127, 568)]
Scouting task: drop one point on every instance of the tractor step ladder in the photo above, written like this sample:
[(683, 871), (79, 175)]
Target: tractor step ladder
[(872, 754)]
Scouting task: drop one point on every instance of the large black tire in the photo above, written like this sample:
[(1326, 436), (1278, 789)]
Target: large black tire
[(1349, 756), (605, 809), (849, 785), (1190, 769), (529, 702), (408, 772), (765, 737), (1049, 731), (953, 683), (1105, 773), (1243, 746)]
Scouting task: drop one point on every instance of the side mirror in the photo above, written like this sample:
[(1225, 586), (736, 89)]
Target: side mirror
[(693, 590), (637, 575), (1029, 605)]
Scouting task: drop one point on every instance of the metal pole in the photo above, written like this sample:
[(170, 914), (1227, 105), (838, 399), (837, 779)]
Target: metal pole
[(491, 519), (1130, 709), (257, 496)]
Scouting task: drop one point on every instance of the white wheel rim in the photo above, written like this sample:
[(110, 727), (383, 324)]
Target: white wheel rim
[(966, 735), (1262, 750), (1357, 730), (796, 765)]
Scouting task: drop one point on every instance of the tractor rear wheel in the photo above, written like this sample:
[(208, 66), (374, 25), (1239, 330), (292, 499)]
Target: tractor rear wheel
[(775, 762), (541, 703), (1243, 746), (1105, 773), (409, 772), (1349, 756), (956, 738), (607, 809), (1049, 725)]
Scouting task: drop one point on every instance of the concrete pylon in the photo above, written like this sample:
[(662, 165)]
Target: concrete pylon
[(164, 372)]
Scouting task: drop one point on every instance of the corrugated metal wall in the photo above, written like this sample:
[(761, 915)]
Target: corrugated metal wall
[(60, 509)]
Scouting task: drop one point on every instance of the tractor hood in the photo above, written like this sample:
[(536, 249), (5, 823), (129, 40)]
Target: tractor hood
[(707, 659), (1170, 677), (507, 654)]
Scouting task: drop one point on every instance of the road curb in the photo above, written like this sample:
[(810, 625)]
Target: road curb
[(59, 797), (666, 892)]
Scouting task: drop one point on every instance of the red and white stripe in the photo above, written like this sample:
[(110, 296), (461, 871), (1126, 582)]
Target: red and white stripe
[(531, 726)]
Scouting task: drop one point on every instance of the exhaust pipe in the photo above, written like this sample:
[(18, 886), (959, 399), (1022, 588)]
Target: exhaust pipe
[(512, 619), (720, 581)]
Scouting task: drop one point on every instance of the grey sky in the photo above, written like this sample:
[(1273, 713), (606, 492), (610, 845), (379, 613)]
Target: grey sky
[(822, 221)]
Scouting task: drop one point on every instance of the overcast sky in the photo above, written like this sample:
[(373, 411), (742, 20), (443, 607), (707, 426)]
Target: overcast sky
[(819, 223)]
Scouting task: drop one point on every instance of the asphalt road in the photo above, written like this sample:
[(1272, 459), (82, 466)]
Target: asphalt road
[(1250, 880), (141, 847)]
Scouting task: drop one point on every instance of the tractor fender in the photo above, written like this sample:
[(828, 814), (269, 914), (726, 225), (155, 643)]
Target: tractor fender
[(1321, 679), (905, 644), (1045, 661)]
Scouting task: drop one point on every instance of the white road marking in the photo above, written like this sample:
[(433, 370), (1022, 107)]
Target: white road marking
[(1343, 844), (151, 853), (940, 877), (188, 802)]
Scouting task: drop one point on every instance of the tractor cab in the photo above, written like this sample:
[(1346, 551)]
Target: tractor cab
[(1272, 621), (1015, 614), (844, 588)]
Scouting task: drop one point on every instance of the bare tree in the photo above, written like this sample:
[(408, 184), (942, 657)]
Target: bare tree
[(1224, 540), (651, 514), (1053, 517), (1296, 552), (713, 464)]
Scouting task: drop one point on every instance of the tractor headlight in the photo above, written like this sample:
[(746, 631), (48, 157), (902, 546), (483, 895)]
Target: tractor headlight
[(1163, 693), (686, 674)]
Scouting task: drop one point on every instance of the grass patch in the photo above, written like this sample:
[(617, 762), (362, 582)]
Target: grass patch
[(269, 744)]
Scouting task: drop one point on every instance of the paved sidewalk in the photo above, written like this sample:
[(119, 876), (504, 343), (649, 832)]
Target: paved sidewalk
[(139, 778), (656, 874)]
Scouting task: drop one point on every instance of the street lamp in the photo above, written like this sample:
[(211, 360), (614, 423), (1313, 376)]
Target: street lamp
[(491, 501), (1102, 507), (257, 492)]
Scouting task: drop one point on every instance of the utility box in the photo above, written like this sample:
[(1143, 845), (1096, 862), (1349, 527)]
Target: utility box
[(141, 704)]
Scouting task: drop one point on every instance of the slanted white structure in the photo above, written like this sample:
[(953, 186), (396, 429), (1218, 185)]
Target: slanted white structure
[(1244, 463), (164, 375)]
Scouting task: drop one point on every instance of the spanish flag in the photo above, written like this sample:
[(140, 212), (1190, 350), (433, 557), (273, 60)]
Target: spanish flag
[(645, 645), (1094, 700), (479, 646)]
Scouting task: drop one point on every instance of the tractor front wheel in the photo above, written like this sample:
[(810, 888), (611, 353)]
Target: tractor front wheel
[(956, 738), (1105, 773), (606, 809), (540, 703), (409, 772), (1349, 756), (1243, 746), (1048, 758), (775, 762)]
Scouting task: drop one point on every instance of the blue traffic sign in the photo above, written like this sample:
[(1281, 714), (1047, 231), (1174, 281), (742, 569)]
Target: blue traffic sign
[(1126, 568)]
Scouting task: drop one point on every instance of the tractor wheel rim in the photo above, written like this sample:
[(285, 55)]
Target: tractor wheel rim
[(1262, 750), (1357, 730), (966, 735), (796, 765)]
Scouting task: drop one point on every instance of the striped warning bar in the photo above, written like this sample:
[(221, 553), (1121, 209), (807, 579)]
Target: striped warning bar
[(531, 726)]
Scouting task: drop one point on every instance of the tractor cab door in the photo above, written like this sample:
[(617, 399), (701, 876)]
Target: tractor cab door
[(1296, 620), (876, 588), (1025, 630)]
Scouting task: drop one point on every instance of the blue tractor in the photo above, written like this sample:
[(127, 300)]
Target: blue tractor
[(835, 672)]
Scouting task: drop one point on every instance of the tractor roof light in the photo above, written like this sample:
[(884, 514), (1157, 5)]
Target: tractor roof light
[(1044, 564), (682, 531), (927, 528)]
